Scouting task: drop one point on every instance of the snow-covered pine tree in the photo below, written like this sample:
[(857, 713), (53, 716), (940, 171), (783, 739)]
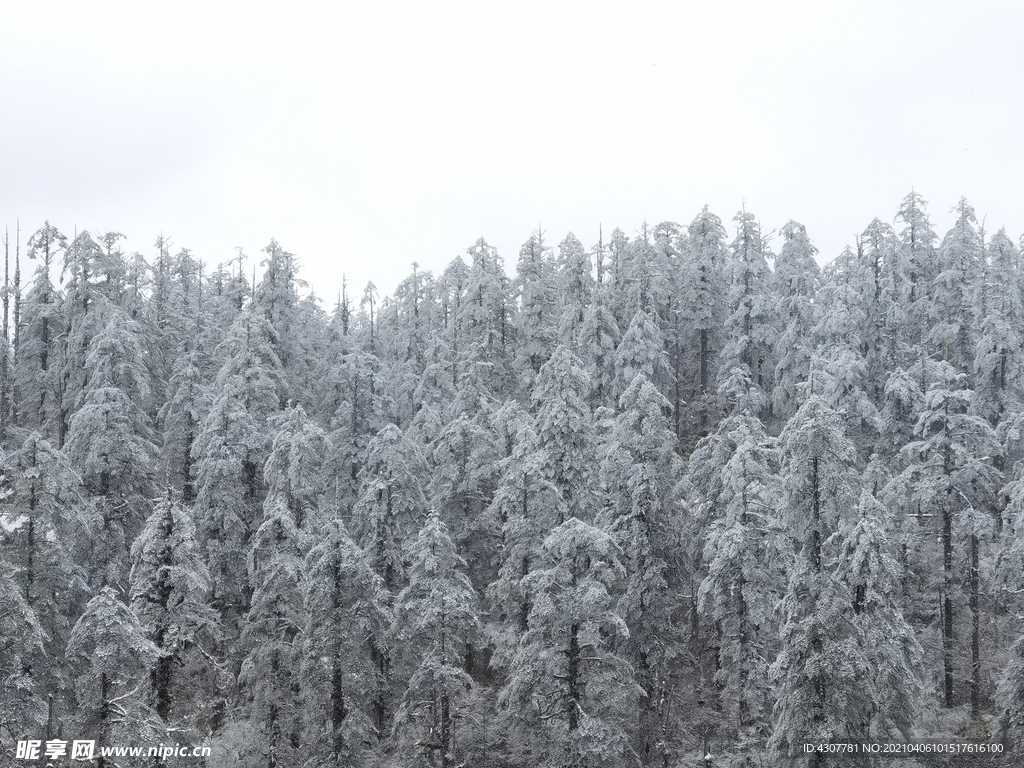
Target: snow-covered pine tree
[(110, 443), (412, 333), (640, 352), (228, 456), (598, 338), (228, 291), (526, 505), (110, 657), (270, 675), (704, 308), (486, 319), (569, 695), (434, 630), (82, 317), (818, 670), (181, 416), (565, 431), (795, 279), (36, 365), (23, 702), (639, 475), (391, 502), (916, 244), (616, 278), (295, 467), (537, 320), (672, 244), (576, 289), (951, 476), (43, 540), (749, 323), (955, 291), (869, 567), (999, 356), (277, 299), (746, 565), (462, 481), (881, 292), (343, 638), (902, 400), (355, 386), (170, 595), (1009, 573)]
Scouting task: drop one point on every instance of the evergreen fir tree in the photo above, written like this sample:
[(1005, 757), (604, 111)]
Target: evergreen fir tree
[(564, 430), (37, 363), (746, 566), (568, 693), (343, 639), (111, 657), (640, 472), (435, 625), (170, 588), (796, 280)]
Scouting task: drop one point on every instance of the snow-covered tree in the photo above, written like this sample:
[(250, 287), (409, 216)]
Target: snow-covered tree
[(229, 454), (537, 320), (640, 352), (576, 286), (391, 502), (916, 244), (526, 504), (640, 474), (951, 476), (110, 441), (294, 470), (343, 643), (568, 694), (23, 707), (462, 483), (170, 592), (270, 674), (746, 563), (565, 431), (434, 630), (705, 308), (749, 323), (598, 338), (111, 658), (486, 320), (796, 279), (869, 566), (998, 355), (954, 293), (818, 670), (38, 352), (44, 539)]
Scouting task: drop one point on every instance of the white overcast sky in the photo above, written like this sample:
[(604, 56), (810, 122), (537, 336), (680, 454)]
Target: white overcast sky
[(365, 136)]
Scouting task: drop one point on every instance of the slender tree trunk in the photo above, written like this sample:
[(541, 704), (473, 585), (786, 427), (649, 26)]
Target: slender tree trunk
[(446, 730), (816, 519), (704, 354), (5, 373), (104, 717), (975, 632), (947, 603), (339, 711), (572, 676), (15, 392)]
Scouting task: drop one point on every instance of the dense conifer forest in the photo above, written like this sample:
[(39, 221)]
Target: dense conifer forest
[(668, 496)]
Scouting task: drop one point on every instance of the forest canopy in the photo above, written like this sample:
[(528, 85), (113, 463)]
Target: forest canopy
[(671, 495)]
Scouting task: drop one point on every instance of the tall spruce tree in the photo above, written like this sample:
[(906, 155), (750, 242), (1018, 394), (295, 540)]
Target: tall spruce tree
[(568, 693), (435, 629)]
